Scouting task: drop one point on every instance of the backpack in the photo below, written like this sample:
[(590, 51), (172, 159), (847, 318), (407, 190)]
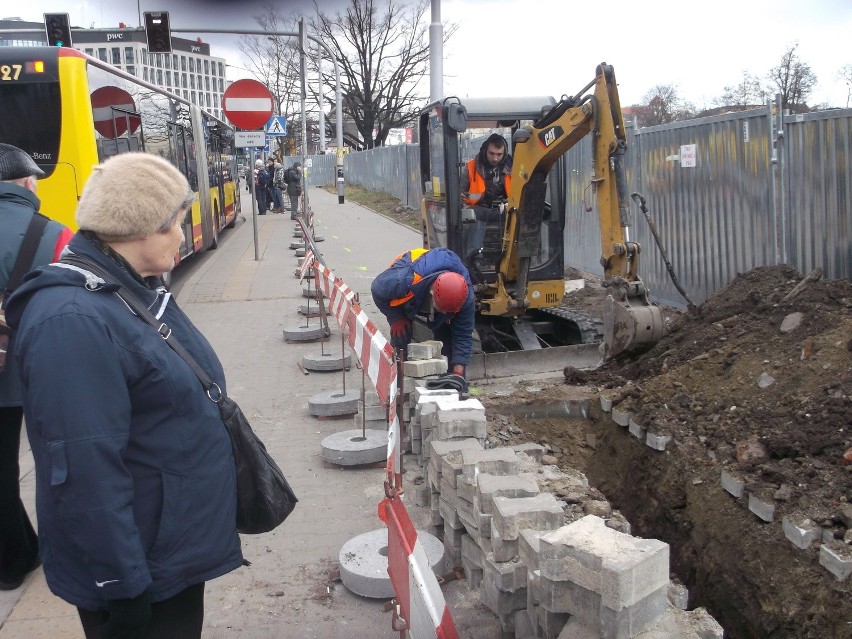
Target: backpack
[(281, 178)]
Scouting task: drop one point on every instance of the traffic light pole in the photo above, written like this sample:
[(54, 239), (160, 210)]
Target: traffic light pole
[(338, 97)]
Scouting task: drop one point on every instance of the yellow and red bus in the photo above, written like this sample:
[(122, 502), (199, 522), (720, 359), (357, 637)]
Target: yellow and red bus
[(71, 111)]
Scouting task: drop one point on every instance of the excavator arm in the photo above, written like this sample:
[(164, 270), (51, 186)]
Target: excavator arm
[(630, 320)]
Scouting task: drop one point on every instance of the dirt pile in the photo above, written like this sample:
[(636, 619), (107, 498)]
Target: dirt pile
[(759, 384)]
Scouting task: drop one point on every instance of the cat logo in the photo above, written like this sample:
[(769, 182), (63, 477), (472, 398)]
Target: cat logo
[(549, 136)]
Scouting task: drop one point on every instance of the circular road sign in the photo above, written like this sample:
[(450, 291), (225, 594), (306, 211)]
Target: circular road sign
[(247, 104), (110, 106)]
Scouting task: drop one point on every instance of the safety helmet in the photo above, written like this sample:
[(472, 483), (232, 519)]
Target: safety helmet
[(258, 163), (449, 292)]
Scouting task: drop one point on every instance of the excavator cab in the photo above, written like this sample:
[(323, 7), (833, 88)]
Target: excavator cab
[(517, 263)]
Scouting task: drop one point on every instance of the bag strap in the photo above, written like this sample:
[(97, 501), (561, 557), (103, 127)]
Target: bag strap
[(135, 304), (26, 256)]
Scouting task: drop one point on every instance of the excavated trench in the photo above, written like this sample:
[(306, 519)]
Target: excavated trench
[(755, 584)]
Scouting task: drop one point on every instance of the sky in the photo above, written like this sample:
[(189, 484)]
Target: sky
[(551, 47)]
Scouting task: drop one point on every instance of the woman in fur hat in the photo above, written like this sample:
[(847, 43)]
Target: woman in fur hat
[(135, 478)]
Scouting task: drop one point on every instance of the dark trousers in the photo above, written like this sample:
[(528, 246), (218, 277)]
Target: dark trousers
[(18, 540), (179, 617)]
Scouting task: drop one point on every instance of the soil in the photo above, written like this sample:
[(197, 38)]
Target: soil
[(738, 390)]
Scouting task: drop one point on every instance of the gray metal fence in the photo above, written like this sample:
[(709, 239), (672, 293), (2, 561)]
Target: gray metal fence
[(763, 190)]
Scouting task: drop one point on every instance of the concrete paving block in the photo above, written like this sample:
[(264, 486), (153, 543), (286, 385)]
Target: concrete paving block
[(620, 568), (424, 367), (472, 551), (494, 461), (423, 350), (763, 508), (506, 575), (449, 493), (620, 416), (540, 512), (472, 573), (460, 424), (449, 513), (502, 602), (657, 442), (364, 562), (524, 625), (466, 490), (452, 555), (453, 536), (422, 495), (636, 429), (489, 486), (528, 547), (802, 532), (426, 395), (733, 483), (503, 549), (433, 475), (535, 451), (451, 466), (355, 447), (630, 621), (837, 559)]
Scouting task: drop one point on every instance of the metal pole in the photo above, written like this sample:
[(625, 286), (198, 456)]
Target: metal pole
[(436, 54), (302, 94)]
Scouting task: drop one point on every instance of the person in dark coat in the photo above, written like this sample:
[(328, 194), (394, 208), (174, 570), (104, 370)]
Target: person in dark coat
[(293, 178), (18, 204), (434, 284), (135, 477)]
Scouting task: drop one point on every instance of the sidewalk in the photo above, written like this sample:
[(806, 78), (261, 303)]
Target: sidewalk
[(242, 306)]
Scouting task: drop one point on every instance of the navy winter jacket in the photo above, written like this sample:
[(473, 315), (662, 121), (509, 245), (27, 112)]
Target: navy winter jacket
[(398, 281), (135, 477), (17, 207)]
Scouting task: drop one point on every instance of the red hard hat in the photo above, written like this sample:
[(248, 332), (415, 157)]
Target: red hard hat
[(449, 292)]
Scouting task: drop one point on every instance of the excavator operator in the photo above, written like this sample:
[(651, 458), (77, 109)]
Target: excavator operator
[(434, 285), (485, 182)]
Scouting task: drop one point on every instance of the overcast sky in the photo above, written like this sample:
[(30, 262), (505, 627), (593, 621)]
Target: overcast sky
[(551, 47)]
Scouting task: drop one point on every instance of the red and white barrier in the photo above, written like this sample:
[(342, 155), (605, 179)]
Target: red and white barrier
[(421, 609)]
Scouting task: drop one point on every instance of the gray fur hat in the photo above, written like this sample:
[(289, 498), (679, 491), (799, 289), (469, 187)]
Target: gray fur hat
[(132, 195), (16, 163)]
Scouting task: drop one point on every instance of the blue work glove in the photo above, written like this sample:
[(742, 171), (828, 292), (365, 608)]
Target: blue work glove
[(401, 332), (127, 618)]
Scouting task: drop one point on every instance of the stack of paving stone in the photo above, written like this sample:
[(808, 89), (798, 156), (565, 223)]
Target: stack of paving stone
[(533, 571)]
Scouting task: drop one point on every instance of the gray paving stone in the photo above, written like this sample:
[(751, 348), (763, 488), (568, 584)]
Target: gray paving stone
[(489, 486), (511, 515), (495, 461), (803, 533)]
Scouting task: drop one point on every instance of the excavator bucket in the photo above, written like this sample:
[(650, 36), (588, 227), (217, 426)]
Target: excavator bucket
[(630, 324)]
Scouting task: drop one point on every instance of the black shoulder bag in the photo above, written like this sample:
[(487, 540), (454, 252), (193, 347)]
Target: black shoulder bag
[(23, 265), (264, 497)]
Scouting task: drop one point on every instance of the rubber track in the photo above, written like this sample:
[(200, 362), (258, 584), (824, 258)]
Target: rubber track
[(590, 327)]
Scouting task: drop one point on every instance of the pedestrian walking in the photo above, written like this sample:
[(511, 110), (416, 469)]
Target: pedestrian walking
[(135, 475)]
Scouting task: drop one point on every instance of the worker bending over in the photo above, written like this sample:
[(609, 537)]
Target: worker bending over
[(435, 285)]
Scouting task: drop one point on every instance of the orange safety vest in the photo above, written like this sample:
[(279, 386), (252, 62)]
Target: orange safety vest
[(415, 253), (477, 184)]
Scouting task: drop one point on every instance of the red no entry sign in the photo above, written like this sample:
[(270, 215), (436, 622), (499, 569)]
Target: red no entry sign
[(110, 106), (247, 104)]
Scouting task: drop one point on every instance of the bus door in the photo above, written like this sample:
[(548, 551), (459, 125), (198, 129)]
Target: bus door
[(179, 151)]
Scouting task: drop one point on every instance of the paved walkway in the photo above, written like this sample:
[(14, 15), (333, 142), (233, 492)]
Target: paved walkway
[(242, 306)]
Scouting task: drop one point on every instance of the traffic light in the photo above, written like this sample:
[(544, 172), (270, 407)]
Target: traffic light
[(58, 29), (158, 32)]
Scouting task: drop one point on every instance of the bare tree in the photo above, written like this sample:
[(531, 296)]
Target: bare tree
[(794, 80), (747, 92), (382, 47), (661, 105), (845, 75)]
